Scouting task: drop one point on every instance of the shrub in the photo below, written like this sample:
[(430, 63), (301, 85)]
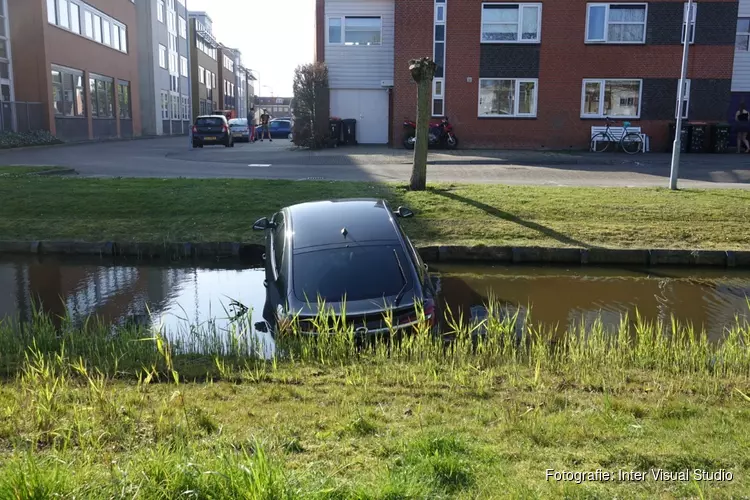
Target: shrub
[(311, 112), (10, 139)]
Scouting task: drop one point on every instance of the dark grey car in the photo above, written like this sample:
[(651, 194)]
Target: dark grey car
[(350, 254)]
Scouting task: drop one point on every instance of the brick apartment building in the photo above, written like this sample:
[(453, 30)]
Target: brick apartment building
[(529, 74), (77, 58), (204, 70)]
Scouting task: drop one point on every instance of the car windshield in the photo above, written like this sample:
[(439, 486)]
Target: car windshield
[(359, 273), (209, 122), (237, 122)]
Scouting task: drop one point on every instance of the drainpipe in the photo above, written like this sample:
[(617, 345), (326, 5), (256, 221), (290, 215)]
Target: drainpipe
[(189, 78)]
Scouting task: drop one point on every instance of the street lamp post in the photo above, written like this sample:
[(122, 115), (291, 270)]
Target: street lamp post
[(189, 78), (677, 146)]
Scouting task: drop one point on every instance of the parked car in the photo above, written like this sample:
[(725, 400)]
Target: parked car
[(212, 129), (240, 129), (279, 127), (351, 254)]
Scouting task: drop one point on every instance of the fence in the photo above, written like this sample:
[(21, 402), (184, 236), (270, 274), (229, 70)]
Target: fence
[(18, 116)]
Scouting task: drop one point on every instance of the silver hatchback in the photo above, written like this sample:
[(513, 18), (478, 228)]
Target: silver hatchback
[(240, 129)]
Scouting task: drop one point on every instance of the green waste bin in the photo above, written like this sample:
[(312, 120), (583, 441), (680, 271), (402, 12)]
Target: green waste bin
[(700, 138), (684, 137), (720, 137)]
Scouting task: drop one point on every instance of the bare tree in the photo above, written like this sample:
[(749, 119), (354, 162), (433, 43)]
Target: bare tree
[(422, 72)]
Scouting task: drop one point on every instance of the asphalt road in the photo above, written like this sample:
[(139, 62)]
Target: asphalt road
[(173, 157)]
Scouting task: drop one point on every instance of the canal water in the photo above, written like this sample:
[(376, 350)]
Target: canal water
[(179, 295)]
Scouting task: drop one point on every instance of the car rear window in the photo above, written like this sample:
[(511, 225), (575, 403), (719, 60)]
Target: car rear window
[(359, 273), (239, 122), (209, 122)]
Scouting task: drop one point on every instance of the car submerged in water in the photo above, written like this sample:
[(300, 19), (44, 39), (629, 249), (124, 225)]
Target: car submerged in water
[(349, 256)]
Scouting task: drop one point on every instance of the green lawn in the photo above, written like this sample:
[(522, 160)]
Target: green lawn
[(155, 210), (18, 170)]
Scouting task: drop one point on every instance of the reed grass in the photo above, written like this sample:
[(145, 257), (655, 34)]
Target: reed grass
[(480, 410)]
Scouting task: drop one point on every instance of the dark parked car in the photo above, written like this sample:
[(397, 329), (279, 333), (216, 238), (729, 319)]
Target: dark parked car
[(344, 249), (279, 127), (212, 129)]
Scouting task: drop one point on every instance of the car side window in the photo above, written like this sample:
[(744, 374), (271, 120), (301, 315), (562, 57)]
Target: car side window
[(278, 243), (413, 254)]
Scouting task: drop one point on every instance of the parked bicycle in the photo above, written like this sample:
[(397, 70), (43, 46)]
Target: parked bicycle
[(630, 142)]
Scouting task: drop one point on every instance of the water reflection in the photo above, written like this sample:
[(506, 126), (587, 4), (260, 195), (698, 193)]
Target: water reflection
[(177, 296)]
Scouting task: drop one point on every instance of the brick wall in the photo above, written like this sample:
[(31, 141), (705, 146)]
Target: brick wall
[(564, 61)]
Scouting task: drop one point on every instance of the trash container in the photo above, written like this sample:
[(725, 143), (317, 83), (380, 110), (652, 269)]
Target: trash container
[(350, 131), (337, 130), (699, 138), (684, 137), (720, 137)]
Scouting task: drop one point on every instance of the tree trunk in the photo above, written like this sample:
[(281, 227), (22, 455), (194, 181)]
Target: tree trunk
[(419, 168)]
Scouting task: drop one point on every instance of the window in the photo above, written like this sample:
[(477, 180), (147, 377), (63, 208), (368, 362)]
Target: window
[(201, 74), (160, 11), (175, 107), (123, 99), (123, 39), (97, 28), (742, 42), (685, 99), (213, 80), (57, 92), (511, 23), (51, 9), (278, 243), (185, 108), (107, 32), (183, 66), (164, 105), (507, 98), (357, 30), (62, 11), (88, 24), (116, 37), (75, 19), (437, 97), (102, 96), (616, 23), (162, 56), (611, 98), (183, 27), (334, 30), (438, 88), (172, 42), (693, 15)]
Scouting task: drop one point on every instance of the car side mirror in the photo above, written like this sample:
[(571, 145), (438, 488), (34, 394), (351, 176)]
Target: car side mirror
[(262, 224), (404, 212)]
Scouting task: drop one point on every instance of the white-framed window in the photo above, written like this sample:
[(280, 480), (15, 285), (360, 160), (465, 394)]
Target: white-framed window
[(75, 18), (116, 37), (88, 24), (440, 13), (162, 56), (164, 105), (182, 26), (175, 107), (742, 42), (355, 30), (616, 22), (160, 11), (693, 17), (82, 19), (438, 97), (97, 28), (507, 98), (685, 99), (106, 32), (511, 22), (183, 66), (613, 98), (201, 74), (63, 14)]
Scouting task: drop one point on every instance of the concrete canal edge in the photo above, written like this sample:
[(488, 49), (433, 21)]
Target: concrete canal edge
[(446, 253)]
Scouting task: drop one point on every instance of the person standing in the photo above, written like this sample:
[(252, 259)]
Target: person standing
[(742, 117), (265, 118)]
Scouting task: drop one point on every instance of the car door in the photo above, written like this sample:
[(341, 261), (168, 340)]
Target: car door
[(277, 275)]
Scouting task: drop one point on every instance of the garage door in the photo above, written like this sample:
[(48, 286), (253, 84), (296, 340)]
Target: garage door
[(368, 107)]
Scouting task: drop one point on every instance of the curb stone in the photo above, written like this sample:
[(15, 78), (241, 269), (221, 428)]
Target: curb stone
[(442, 253)]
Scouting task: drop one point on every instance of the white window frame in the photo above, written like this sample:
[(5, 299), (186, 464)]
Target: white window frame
[(182, 25), (343, 31), (607, 23), (183, 66), (693, 19), (602, 84), (516, 92), (742, 33), (162, 56), (201, 75), (160, 11), (519, 31), (685, 99), (438, 96)]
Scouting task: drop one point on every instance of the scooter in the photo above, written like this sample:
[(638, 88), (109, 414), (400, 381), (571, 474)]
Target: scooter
[(440, 135)]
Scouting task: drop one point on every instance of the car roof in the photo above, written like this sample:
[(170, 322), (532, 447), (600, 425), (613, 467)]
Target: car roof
[(321, 223), (211, 116)]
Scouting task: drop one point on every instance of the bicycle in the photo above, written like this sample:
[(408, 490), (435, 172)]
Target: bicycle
[(630, 142)]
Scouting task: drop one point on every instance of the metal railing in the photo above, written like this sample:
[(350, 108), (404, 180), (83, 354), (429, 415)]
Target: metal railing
[(21, 116)]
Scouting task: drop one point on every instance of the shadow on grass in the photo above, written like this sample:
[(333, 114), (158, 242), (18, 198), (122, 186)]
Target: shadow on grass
[(495, 212)]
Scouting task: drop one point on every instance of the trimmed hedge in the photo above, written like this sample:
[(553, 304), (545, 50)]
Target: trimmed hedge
[(11, 139)]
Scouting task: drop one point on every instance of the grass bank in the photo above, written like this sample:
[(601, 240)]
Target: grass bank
[(155, 210), (89, 414), (15, 171)]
